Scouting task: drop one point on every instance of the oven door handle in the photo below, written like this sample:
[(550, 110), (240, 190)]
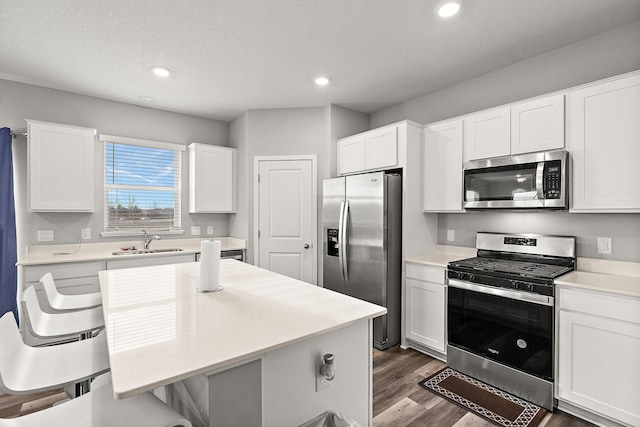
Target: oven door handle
[(501, 292)]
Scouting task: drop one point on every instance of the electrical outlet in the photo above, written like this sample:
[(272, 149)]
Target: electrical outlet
[(85, 233), (451, 235), (605, 246), (195, 230), (45, 235), (210, 230)]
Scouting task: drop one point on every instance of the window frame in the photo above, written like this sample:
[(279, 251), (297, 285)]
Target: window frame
[(177, 189)]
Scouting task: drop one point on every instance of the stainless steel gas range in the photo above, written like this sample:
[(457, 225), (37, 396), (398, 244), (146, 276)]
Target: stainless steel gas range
[(501, 312)]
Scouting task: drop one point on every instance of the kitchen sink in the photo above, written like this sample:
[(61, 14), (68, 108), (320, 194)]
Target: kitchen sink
[(145, 251)]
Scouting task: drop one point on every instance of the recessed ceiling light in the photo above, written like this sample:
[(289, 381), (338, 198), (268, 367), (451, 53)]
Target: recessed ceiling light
[(147, 98), (322, 81), (448, 8), (161, 71)]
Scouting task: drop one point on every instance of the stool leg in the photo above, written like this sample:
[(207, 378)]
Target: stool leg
[(83, 387)]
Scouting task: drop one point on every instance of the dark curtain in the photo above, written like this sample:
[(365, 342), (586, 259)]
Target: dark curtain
[(8, 247)]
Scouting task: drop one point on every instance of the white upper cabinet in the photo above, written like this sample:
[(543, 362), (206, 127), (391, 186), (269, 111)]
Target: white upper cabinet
[(381, 148), (374, 150), (351, 155), (487, 135), (527, 127), (61, 167), (538, 125), (212, 179), (443, 167), (603, 136)]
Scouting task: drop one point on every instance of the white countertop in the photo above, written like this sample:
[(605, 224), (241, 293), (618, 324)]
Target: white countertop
[(54, 254), (616, 277), (160, 330), (621, 285), (443, 255)]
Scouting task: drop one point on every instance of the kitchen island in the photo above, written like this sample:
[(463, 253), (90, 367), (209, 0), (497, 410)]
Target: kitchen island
[(247, 355)]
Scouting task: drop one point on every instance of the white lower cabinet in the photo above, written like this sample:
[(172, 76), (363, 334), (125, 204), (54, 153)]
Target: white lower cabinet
[(425, 302), (599, 353)]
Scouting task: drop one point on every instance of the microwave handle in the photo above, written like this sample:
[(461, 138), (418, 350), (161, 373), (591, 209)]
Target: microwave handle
[(540, 181)]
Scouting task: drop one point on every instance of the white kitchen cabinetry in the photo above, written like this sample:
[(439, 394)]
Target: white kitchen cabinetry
[(425, 302), (537, 125), (525, 127), (374, 150), (61, 167), (603, 136), (351, 154), (212, 179), (487, 135), (443, 167), (598, 353)]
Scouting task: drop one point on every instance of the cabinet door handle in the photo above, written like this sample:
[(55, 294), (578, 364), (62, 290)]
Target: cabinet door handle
[(306, 246)]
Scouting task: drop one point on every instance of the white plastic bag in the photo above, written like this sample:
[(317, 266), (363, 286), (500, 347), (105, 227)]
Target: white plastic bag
[(330, 419)]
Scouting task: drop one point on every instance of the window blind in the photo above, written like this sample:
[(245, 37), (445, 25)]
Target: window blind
[(142, 185)]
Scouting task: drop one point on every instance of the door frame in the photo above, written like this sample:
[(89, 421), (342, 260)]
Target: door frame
[(314, 206)]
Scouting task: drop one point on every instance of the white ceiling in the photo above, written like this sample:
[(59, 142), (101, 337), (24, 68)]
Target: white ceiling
[(229, 56)]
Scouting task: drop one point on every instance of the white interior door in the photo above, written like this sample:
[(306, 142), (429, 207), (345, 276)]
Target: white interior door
[(287, 217)]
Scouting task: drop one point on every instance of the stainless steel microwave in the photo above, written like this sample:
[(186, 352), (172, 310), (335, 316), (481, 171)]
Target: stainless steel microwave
[(526, 181)]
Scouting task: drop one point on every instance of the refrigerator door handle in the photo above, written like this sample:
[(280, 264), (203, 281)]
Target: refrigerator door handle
[(345, 235), (340, 238)]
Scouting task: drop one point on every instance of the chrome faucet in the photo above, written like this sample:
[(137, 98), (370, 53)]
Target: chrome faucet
[(148, 239)]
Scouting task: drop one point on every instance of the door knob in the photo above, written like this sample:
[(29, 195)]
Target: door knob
[(306, 246)]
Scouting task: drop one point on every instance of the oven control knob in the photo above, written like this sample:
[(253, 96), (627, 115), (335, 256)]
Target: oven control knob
[(515, 284)]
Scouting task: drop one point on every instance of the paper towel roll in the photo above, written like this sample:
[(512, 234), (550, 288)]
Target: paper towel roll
[(209, 266)]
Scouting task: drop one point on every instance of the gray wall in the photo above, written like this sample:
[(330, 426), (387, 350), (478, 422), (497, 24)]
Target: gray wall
[(274, 132), (343, 122), (608, 54), (21, 101)]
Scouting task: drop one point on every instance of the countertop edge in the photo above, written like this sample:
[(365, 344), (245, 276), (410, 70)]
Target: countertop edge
[(592, 274), (45, 254), (246, 358)]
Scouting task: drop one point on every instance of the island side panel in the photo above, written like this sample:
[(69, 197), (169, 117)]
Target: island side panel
[(289, 378)]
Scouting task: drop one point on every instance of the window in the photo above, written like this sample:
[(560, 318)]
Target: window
[(142, 185)]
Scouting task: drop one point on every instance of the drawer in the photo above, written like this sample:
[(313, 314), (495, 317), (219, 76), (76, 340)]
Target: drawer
[(425, 273), (63, 271), (600, 304)]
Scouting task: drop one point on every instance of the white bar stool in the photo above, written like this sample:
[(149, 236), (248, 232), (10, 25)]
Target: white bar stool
[(25, 369), (99, 409), (80, 323), (59, 301)]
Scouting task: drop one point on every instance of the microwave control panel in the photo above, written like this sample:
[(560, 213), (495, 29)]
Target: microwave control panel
[(552, 179)]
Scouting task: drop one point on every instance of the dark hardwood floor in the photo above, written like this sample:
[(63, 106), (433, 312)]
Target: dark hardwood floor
[(399, 401)]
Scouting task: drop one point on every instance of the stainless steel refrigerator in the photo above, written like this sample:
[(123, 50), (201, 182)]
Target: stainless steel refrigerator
[(362, 233)]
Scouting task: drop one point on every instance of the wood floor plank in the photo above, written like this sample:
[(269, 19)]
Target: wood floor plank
[(400, 414), (42, 403)]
